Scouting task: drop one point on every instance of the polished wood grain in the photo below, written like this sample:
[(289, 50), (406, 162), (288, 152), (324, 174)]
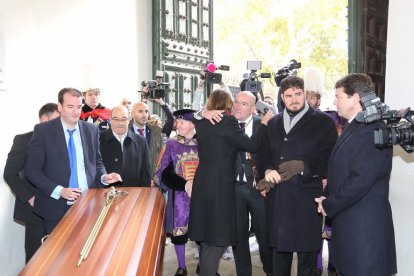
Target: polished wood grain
[(130, 242)]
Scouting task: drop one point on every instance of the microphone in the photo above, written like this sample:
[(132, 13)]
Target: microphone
[(210, 67)]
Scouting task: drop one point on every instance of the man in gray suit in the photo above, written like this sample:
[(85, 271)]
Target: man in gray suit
[(64, 160)]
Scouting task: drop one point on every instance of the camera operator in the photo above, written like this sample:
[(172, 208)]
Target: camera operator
[(169, 123), (357, 197)]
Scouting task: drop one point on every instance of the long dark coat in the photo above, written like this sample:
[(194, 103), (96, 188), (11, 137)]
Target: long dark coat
[(132, 163), (213, 206), (358, 185), (293, 222)]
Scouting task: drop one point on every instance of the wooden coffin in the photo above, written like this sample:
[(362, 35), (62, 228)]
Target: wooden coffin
[(130, 242)]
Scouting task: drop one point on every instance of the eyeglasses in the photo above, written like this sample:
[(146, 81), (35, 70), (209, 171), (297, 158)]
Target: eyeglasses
[(120, 120), (127, 103)]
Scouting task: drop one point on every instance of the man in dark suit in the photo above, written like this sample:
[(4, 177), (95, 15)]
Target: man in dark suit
[(300, 140), (248, 198), (124, 152), (362, 240), (22, 189), (141, 126), (64, 160)]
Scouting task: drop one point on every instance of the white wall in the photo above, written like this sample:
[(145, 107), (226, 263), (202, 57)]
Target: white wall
[(399, 93), (54, 44)]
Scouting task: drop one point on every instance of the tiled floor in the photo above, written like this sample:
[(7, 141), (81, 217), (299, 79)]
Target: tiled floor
[(226, 267)]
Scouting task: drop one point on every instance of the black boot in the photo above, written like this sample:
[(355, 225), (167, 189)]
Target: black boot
[(181, 272)]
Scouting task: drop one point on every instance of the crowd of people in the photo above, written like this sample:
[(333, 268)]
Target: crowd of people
[(296, 177)]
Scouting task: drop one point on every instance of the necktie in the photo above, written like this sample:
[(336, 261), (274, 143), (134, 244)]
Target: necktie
[(242, 125), (140, 131), (242, 155), (73, 182)]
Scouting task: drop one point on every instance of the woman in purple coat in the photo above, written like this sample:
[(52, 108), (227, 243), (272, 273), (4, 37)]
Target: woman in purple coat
[(175, 172)]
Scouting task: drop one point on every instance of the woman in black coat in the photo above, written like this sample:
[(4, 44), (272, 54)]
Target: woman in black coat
[(213, 208)]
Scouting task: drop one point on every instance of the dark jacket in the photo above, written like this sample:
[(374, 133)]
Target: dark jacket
[(155, 142), (213, 206), (358, 186), (294, 225), (15, 178), (132, 163), (48, 164)]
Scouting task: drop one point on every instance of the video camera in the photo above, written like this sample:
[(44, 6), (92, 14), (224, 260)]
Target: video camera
[(155, 89), (209, 72), (397, 131), (253, 84), (288, 70)]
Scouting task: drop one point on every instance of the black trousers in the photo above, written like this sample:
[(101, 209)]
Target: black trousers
[(282, 263), (209, 259), (34, 232), (250, 201)]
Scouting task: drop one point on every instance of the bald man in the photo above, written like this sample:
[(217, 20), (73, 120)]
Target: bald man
[(124, 152), (248, 198), (140, 125)]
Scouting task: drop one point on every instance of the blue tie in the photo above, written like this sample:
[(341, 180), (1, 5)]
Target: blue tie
[(73, 182)]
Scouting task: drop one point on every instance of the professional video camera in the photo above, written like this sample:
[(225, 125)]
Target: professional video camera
[(209, 74), (253, 84), (288, 70), (397, 131), (154, 89)]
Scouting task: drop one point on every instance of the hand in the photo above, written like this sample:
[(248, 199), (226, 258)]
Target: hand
[(319, 200), (71, 193), (266, 118), (324, 183), (158, 100), (31, 201), (273, 176), (189, 187), (145, 89), (214, 116), (112, 178), (264, 186), (291, 168)]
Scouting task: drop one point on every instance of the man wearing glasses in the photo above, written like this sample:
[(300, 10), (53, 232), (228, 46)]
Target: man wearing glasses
[(125, 152)]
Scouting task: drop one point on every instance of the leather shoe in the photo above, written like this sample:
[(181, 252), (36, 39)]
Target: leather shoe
[(181, 272)]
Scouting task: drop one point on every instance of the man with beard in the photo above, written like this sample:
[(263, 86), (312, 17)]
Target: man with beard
[(300, 140), (140, 125)]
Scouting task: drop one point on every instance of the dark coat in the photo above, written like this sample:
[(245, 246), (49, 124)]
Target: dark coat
[(48, 164), (213, 206), (155, 142), (132, 163), (294, 225), (358, 185), (14, 177)]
